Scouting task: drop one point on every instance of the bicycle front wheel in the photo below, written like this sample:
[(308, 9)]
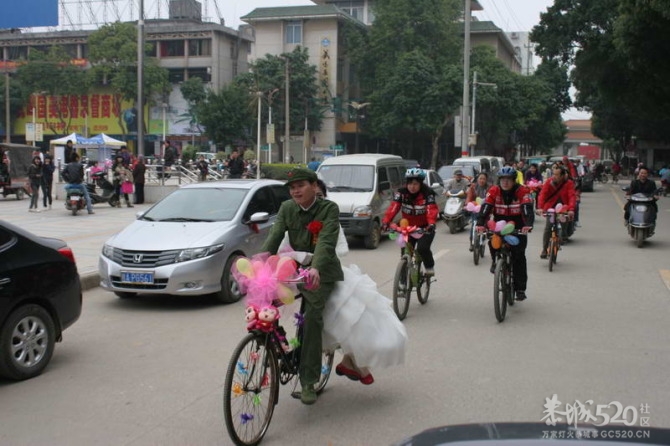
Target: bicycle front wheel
[(402, 287), (423, 285), (251, 389), (476, 249), (553, 253), (500, 290)]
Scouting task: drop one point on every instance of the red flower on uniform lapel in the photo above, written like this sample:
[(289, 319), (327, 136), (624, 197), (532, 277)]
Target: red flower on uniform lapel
[(314, 227)]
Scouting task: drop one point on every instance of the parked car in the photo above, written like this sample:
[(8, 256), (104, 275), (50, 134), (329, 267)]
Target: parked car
[(40, 296), (435, 182), (186, 243), (447, 172)]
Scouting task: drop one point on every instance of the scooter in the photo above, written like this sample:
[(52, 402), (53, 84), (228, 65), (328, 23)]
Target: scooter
[(454, 214), (642, 216), (107, 193), (74, 200)]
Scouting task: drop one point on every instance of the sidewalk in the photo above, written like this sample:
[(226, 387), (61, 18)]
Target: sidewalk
[(84, 233)]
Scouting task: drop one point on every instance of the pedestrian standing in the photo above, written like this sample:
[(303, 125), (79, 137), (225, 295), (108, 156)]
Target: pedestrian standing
[(235, 165), (47, 181), (138, 178), (203, 168), (69, 149), (122, 177), (35, 177)]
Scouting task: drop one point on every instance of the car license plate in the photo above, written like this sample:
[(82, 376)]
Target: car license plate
[(127, 277)]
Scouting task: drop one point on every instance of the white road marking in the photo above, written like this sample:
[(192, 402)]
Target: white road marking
[(665, 276)]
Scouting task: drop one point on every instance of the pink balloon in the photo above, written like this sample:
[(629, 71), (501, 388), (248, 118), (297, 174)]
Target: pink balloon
[(470, 207), (499, 225), (478, 208), (491, 225), (559, 206)]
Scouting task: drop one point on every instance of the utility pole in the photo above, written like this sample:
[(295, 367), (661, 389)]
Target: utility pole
[(465, 117), (287, 131), (140, 81)]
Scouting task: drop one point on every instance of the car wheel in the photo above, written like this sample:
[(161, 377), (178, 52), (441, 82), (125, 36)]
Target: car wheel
[(230, 290), (20, 194), (26, 342), (125, 294), (371, 241)]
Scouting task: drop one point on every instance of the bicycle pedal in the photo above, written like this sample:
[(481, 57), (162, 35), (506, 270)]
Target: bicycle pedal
[(295, 394)]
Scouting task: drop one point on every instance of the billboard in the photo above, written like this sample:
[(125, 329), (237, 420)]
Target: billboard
[(29, 13)]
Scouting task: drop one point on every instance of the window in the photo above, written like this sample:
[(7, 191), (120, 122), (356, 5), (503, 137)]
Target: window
[(294, 32), (200, 47), (396, 178), (262, 201), (172, 48), (176, 75), (383, 179), (18, 53), (353, 8), (202, 73)]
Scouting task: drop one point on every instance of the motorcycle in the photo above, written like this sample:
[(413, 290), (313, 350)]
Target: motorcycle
[(642, 215), (107, 195), (454, 213), (75, 200)]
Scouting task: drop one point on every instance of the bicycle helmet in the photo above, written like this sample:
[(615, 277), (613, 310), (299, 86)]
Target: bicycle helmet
[(507, 171), (415, 173)]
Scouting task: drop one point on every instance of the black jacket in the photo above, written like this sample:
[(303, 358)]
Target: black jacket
[(73, 173)]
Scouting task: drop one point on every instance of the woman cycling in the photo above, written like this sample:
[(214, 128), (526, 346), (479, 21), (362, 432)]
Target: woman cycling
[(477, 190), (417, 203)]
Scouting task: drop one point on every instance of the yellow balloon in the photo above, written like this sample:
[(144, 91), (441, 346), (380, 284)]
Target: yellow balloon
[(285, 294), (496, 241), (244, 267), (404, 223), (479, 200)]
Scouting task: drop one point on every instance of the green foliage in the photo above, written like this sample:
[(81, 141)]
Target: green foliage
[(276, 171), (226, 115), (220, 155), (188, 153), (620, 50), (113, 58), (193, 91), (15, 101)]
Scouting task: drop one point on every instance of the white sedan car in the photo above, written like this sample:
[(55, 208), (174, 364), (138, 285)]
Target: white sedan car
[(186, 243)]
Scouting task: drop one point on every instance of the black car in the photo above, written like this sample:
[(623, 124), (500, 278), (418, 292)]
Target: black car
[(40, 296)]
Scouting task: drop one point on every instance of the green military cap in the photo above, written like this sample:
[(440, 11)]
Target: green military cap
[(299, 174)]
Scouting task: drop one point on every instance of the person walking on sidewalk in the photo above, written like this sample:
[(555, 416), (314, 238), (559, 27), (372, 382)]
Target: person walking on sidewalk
[(121, 176), (47, 181), (35, 177), (138, 178)]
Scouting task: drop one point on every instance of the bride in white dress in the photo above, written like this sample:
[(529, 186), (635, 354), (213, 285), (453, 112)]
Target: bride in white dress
[(359, 320)]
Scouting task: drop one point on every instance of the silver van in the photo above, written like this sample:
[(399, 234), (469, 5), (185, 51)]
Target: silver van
[(362, 185)]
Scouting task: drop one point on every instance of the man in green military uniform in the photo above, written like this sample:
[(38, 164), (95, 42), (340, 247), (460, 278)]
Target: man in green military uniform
[(313, 226)]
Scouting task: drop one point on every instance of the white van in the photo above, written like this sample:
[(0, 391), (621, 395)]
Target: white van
[(480, 163), (362, 185)]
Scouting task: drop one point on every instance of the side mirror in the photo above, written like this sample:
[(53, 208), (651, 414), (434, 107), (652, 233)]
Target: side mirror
[(435, 185), (626, 188), (259, 217)]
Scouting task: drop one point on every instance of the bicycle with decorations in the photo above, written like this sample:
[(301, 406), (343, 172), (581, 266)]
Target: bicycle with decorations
[(477, 240), (265, 357), (502, 236), (557, 217), (410, 272)]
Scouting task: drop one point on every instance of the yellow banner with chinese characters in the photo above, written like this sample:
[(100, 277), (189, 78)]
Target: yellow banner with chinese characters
[(99, 111)]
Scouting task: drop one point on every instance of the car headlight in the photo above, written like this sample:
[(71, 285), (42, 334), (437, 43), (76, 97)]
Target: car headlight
[(108, 251), (363, 211), (198, 253)]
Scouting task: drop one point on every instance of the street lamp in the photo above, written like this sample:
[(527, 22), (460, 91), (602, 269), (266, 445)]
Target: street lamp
[(164, 106), (474, 105), (259, 95), (358, 106)]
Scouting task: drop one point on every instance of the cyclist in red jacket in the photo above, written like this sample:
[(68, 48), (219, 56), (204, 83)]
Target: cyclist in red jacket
[(417, 203), (511, 202), (560, 189)]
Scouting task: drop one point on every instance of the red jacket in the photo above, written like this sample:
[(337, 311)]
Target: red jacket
[(519, 209), (549, 196), (419, 210)]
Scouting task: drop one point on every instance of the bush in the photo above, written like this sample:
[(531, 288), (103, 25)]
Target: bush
[(188, 153), (276, 171)]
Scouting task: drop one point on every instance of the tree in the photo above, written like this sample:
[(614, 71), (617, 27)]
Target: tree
[(227, 115), (113, 58), (411, 71), (194, 93), (53, 74), (267, 77), (620, 54)]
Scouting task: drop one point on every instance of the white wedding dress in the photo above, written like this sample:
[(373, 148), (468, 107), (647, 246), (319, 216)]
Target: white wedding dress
[(360, 320)]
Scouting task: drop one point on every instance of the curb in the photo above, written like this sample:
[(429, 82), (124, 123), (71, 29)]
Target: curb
[(89, 280)]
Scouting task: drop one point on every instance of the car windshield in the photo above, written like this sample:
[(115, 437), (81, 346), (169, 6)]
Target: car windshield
[(447, 172), (348, 178), (220, 204)]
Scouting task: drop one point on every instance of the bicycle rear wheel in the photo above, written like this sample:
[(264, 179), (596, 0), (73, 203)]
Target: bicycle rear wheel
[(250, 390), (402, 288), (500, 290), (423, 285), (326, 368)]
